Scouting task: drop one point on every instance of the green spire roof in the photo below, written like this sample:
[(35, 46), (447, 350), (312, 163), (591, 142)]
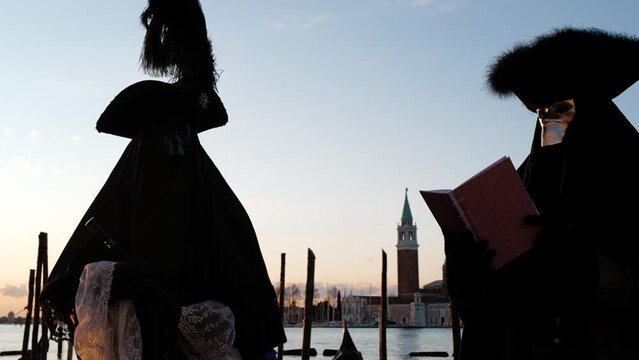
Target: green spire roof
[(406, 214)]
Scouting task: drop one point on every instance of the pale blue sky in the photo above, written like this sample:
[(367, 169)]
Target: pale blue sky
[(335, 107)]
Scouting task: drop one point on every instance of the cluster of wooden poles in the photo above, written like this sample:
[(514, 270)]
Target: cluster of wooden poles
[(308, 309), (39, 342)]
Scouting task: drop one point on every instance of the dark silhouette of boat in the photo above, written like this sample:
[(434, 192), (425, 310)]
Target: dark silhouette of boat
[(347, 351)]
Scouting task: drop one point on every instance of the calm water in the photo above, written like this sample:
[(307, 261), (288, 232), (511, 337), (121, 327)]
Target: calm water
[(400, 342)]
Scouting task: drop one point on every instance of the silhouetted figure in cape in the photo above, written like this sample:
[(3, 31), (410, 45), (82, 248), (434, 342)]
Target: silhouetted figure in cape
[(183, 236), (574, 295)]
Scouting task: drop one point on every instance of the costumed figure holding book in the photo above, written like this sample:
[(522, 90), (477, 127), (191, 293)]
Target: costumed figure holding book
[(165, 263), (574, 294)]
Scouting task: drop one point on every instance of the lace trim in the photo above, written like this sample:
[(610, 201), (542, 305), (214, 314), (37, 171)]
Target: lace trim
[(207, 331), (104, 332)]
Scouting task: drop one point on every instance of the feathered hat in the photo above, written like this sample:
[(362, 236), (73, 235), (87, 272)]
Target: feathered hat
[(565, 64), (176, 45)]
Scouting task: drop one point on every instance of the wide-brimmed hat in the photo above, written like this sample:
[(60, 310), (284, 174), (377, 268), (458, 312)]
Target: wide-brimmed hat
[(567, 63), (157, 102)]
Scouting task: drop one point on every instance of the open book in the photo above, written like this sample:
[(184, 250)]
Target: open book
[(492, 205)]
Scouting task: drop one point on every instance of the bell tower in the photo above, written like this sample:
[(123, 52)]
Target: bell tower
[(407, 262)]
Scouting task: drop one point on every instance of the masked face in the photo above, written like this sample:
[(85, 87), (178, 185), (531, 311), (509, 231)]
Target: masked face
[(554, 120)]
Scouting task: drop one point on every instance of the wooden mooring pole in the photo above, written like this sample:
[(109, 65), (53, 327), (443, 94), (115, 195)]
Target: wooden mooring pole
[(454, 319), (35, 346), (308, 306), (338, 309), (43, 241), (27, 324), (383, 309), (456, 332), (280, 347), (70, 349)]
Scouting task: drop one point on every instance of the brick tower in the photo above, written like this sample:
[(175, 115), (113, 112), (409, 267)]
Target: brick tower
[(407, 264)]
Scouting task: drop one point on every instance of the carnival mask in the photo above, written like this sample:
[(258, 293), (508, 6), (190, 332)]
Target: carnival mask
[(554, 120)]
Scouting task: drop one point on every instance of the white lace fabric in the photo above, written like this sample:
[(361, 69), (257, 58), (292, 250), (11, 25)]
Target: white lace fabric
[(104, 332), (207, 329)]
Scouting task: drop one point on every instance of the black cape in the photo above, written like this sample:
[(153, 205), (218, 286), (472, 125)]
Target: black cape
[(172, 212), (574, 296)]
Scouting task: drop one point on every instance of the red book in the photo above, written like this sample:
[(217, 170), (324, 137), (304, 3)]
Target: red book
[(492, 205)]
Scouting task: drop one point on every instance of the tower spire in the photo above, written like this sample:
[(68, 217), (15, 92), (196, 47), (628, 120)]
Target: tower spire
[(407, 215)]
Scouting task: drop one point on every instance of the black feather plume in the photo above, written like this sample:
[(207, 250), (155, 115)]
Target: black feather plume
[(176, 43)]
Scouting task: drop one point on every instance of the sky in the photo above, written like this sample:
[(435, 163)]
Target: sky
[(335, 107)]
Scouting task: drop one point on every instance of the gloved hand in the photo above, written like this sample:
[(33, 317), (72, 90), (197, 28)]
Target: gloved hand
[(468, 270)]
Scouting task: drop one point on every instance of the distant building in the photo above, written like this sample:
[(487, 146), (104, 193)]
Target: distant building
[(356, 311), (435, 296), (438, 314), (418, 312), (428, 306), (11, 317), (407, 257)]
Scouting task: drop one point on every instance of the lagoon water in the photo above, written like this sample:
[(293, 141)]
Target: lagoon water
[(400, 341)]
